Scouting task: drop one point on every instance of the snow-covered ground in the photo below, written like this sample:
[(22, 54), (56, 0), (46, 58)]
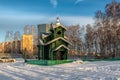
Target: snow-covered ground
[(101, 70)]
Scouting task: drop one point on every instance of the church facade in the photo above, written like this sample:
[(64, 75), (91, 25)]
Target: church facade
[(53, 45)]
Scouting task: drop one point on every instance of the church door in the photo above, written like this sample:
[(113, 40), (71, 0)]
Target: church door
[(60, 55)]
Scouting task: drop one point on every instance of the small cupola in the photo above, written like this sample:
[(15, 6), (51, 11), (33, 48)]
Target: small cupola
[(58, 21)]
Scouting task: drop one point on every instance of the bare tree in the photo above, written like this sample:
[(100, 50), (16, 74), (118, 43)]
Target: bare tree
[(17, 38), (73, 34)]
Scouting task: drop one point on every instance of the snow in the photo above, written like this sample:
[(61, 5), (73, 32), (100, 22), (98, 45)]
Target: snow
[(100, 70)]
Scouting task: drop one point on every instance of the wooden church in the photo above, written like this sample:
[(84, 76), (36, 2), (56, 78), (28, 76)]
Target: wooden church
[(53, 45)]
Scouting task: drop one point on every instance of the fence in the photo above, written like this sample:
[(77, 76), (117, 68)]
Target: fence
[(47, 62)]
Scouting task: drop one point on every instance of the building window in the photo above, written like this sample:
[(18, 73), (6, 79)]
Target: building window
[(59, 32)]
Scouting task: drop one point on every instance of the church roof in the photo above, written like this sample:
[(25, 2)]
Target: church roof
[(58, 25), (66, 37), (45, 36), (61, 47), (56, 40)]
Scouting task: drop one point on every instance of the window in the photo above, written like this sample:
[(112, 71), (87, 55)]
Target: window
[(59, 32)]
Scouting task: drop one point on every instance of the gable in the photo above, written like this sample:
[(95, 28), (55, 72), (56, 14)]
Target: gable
[(60, 25), (61, 46), (56, 40)]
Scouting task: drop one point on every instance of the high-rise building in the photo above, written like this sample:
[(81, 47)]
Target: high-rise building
[(43, 29), (27, 43)]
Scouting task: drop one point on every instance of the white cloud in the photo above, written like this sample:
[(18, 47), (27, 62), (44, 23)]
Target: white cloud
[(77, 1), (38, 19), (73, 20), (54, 3), (18, 21)]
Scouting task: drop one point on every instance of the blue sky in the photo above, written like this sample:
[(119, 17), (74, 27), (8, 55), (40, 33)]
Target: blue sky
[(15, 14)]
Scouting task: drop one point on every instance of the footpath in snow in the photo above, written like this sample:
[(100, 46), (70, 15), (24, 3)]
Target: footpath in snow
[(100, 70)]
